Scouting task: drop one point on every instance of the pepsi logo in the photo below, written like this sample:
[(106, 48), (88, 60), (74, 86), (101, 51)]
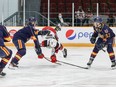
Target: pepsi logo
[(70, 34)]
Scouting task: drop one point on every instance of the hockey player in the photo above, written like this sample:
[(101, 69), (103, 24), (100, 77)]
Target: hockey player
[(105, 39), (22, 36), (52, 41), (5, 53)]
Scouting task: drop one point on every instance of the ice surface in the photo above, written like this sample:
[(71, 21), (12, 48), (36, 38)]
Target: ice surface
[(34, 72)]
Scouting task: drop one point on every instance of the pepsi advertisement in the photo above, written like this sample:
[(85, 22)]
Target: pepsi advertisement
[(75, 34)]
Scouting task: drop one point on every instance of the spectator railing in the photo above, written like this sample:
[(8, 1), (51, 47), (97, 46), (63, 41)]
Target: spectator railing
[(16, 19)]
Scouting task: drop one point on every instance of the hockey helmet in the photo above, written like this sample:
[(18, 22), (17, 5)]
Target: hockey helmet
[(98, 19), (98, 22), (32, 21)]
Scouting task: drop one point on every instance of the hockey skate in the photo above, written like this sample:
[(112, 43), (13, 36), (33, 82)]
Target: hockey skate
[(13, 66), (113, 66), (64, 53), (2, 73), (89, 63)]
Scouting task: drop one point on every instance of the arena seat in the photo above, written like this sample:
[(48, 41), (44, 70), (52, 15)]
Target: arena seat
[(61, 1), (65, 6), (102, 1), (78, 1), (68, 1), (113, 6), (86, 1), (103, 7), (51, 1), (112, 1), (53, 5), (77, 5), (86, 6), (94, 1)]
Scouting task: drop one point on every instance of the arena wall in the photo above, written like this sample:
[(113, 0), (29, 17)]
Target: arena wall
[(69, 36)]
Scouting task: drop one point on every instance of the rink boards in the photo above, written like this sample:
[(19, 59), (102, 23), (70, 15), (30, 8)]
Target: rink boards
[(69, 36)]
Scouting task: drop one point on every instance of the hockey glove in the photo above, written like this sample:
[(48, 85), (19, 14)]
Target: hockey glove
[(53, 58), (92, 40), (39, 53), (41, 56)]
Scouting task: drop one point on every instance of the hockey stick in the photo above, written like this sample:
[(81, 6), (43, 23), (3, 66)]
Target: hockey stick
[(51, 62), (101, 49), (72, 64), (66, 63)]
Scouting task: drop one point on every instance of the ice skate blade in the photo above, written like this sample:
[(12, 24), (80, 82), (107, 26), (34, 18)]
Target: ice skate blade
[(88, 66), (2, 74), (11, 67), (65, 53), (113, 68)]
